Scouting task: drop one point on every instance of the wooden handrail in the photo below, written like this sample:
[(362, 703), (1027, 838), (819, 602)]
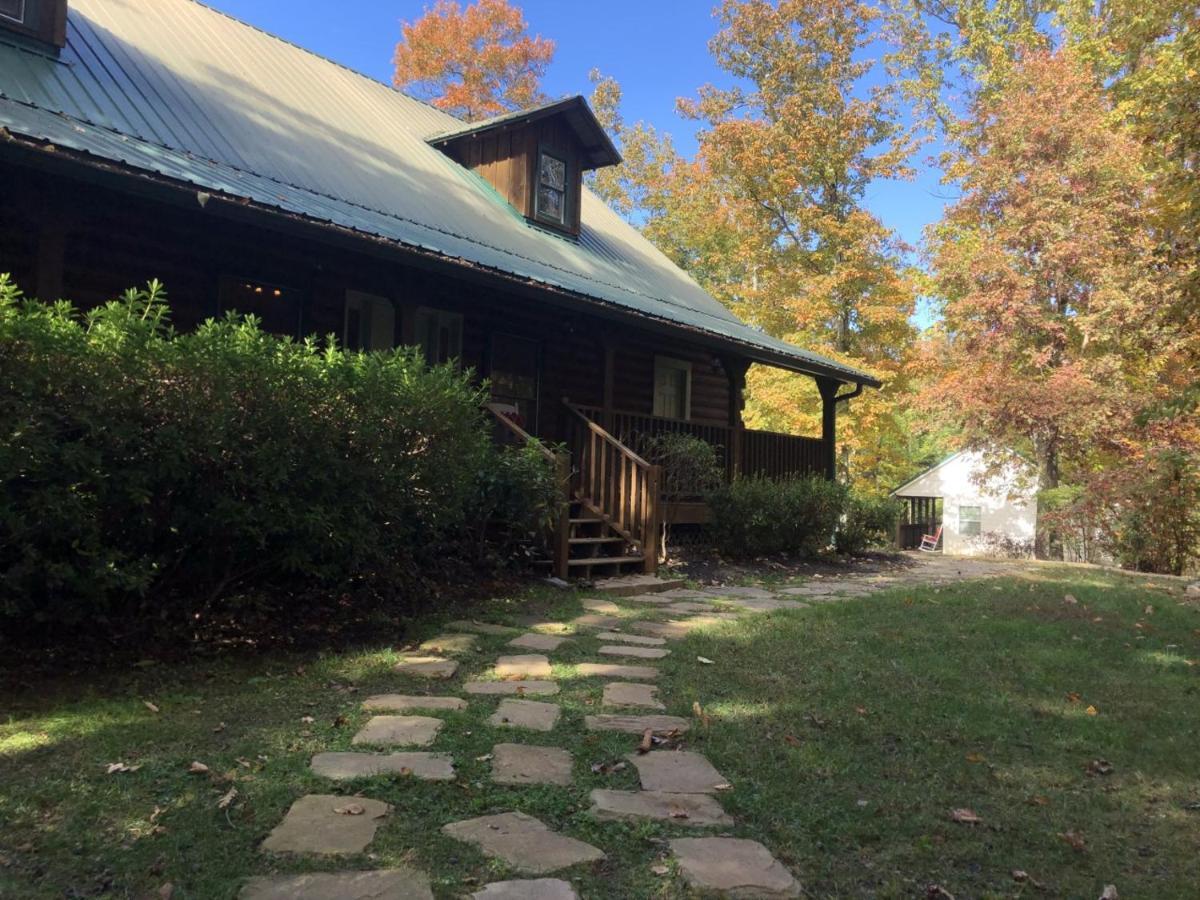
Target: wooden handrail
[(637, 460), (560, 534), (520, 432)]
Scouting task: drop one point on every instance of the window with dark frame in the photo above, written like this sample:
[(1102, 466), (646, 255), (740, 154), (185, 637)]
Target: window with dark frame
[(439, 334), (550, 200), (277, 307), (13, 9)]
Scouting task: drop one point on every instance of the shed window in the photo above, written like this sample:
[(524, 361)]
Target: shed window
[(550, 202), (13, 9), (672, 387), (439, 334), (970, 520)]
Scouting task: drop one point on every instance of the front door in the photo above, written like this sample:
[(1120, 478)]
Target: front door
[(516, 365)]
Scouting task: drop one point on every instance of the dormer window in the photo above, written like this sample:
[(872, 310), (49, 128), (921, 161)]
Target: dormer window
[(550, 205), (535, 158), (13, 10), (36, 23)]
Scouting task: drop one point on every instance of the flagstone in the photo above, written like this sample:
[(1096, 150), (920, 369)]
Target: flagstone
[(592, 620), (658, 599), (314, 824), (636, 724), (528, 764), (403, 702), (676, 772), (537, 642), (601, 606), (525, 714), (631, 638), (528, 889), (394, 884), (638, 652), (734, 866), (519, 688), (481, 627), (684, 809), (616, 670), (418, 764), (721, 590), (689, 606), (622, 693), (770, 605), (426, 666), (450, 643), (522, 841), (686, 594), (543, 626), (625, 585), (528, 665), (412, 731)]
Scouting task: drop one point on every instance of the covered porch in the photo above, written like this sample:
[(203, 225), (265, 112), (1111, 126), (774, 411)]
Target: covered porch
[(921, 516)]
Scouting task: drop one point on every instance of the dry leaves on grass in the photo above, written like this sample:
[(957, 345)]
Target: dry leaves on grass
[(1075, 839), (705, 660), (119, 768), (1110, 893), (1099, 767), (150, 706), (965, 816), (227, 798), (699, 713), (350, 809), (647, 741), (661, 870), (197, 768)]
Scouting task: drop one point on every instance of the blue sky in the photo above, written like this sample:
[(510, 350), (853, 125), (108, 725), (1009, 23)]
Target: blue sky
[(656, 49)]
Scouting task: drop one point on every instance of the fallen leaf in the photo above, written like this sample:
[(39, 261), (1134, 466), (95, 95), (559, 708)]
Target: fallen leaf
[(661, 870), (1070, 600), (166, 892), (965, 816), (975, 757), (350, 809), (677, 813), (1099, 767), (483, 758), (705, 660), (647, 741), (227, 798), (937, 892), (1109, 893), (1074, 839), (1092, 711), (1073, 697), (307, 720), (340, 722), (150, 706), (793, 740), (861, 710), (198, 768), (1038, 801), (723, 786), (119, 767), (1020, 875), (220, 727)]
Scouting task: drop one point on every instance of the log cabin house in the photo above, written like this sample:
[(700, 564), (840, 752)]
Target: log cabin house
[(163, 139)]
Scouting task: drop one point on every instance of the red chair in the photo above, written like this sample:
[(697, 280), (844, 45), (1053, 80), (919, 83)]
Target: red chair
[(929, 542)]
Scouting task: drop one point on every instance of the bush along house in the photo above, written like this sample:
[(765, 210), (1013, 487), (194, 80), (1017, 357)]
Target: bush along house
[(162, 139)]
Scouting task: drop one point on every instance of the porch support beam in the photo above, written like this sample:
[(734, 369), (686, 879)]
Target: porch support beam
[(829, 401), (735, 371)]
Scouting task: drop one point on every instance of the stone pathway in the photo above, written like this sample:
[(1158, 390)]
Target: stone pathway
[(679, 788)]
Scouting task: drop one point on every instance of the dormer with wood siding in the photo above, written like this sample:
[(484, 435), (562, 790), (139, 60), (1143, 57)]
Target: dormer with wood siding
[(41, 24), (535, 159)]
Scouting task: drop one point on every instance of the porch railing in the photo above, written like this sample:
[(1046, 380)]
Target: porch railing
[(765, 453), (614, 483), (560, 530)]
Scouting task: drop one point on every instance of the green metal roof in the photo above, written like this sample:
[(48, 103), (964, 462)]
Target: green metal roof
[(180, 90)]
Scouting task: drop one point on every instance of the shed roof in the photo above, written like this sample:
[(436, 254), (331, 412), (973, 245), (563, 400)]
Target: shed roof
[(182, 91)]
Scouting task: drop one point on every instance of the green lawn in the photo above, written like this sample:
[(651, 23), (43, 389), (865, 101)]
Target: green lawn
[(848, 730)]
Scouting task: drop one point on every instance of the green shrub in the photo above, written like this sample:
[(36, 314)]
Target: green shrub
[(760, 517), (869, 521), (164, 476)]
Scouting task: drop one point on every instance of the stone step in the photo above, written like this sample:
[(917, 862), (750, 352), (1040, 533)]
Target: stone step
[(481, 627), (528, 764), (733, 867), (406, 702), (399, 731), (628, 585), (682, 809), (616, 670), (450, 643), (623, 693), (525, 714), (421, 666), (534, 641), (525, 665), (418, 764), (637, 724), (528, 687), (636, 652), (522, 841), (677, 772), (328, 825), (408, 884), (640, 639), (528, 889)]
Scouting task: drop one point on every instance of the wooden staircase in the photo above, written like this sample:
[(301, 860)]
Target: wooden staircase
[(609, 523), (595, 549)]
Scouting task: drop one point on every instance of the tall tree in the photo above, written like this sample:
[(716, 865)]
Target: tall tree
[(1047, 270), (474, 62)]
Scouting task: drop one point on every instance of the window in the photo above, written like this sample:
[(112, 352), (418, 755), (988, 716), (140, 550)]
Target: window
[(550, 201), (672, 388), (514, 376), (970, 519), (277, 307), (13, 9), (439, 335), (370, 322)]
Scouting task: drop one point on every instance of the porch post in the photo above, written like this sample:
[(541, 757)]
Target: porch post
[(829, 389), (735, 370)]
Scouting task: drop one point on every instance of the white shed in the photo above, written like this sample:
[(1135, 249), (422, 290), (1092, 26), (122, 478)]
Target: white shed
[(978, 514)]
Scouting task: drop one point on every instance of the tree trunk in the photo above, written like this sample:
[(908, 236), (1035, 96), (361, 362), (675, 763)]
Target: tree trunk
[(1048, 543)]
